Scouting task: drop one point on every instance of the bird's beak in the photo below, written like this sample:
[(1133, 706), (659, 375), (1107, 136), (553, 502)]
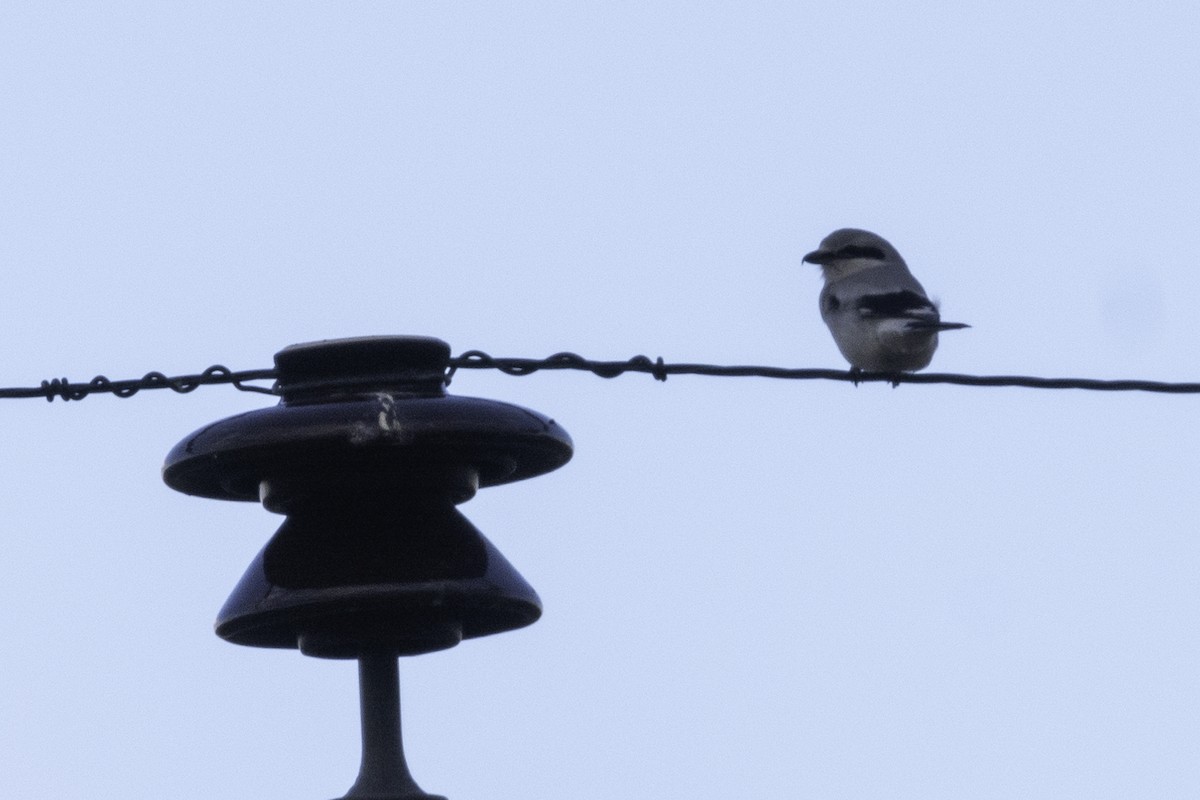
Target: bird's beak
[(817, 257)]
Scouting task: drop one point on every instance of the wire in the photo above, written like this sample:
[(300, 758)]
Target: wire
[(476, 359)]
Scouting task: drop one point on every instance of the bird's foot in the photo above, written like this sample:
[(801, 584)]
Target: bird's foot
[(858, 375)]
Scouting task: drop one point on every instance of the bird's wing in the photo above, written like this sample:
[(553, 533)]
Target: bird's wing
[(915, 310), (904, 304), (889, 293)]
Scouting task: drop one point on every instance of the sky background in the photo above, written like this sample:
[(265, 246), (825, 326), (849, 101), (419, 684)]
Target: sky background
[(758, 588)]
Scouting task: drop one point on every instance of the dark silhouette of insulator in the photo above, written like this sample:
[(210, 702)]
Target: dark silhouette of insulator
[(367, 457)]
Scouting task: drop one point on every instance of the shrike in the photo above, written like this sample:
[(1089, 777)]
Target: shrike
[(879, 315)]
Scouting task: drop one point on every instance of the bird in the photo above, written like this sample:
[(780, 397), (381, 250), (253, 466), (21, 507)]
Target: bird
[(879, 315)]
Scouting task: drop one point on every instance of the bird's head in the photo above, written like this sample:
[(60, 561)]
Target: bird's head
[(848, 250)]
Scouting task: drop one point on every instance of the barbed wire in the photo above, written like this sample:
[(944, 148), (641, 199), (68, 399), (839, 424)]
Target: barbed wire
[(660, 370), (65, 390)]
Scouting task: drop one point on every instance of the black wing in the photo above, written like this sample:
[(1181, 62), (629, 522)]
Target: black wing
[(898, 305)]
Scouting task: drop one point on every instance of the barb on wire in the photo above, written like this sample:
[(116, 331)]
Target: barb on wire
[(65, 390), (476, 359)]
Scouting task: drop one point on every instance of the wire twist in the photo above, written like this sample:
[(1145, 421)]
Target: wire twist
[(477, 359), (65, 390)]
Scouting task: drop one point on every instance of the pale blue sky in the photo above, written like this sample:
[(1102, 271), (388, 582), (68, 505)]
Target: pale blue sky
[(777, 589)]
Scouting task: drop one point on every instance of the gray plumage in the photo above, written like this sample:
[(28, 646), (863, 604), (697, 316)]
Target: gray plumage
[(878, 313)]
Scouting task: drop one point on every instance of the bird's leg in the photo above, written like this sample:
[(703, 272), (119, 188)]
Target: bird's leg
[(855, 375)]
